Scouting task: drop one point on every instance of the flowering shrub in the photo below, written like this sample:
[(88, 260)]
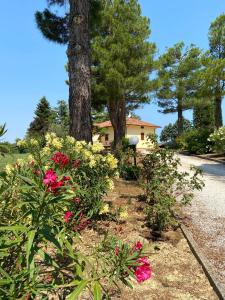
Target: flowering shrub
[(164, 184), (45, 202), (217, 140)]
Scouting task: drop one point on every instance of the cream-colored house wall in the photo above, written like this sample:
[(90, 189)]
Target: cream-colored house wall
[(131, 130)]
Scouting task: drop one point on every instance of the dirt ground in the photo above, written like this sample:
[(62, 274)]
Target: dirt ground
[(176, 272)]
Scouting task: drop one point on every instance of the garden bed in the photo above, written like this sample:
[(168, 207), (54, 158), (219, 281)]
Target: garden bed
[(176, 272)]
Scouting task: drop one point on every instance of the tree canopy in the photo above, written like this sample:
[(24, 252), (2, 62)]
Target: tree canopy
[(176, 80)]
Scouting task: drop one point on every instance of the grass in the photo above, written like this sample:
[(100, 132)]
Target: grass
[(10, 158)]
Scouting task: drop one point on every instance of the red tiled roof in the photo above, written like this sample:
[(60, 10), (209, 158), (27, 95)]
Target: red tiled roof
[(129, 121)]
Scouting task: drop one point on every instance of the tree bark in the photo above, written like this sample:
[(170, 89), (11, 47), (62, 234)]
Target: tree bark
[(218, 112), (117, 114), (79, 71), (180, 117)]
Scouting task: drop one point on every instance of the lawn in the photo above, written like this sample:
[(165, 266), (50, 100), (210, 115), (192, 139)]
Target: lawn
[(10, 158)]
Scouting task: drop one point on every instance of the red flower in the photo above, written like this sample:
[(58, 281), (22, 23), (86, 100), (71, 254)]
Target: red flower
[(117, 250), (144, 271), (138, 246), (68, 215), (50, 177), (60, 159), (76, 163), (54, 187), (66, 178)]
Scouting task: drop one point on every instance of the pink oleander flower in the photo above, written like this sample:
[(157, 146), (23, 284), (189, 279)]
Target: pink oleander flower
[(60, 159), (144, 271), (138, 246), (50, 177), (54, 187), (144, 260), (68, 215)]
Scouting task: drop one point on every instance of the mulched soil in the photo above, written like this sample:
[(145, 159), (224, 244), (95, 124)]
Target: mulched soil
[(176, 272)]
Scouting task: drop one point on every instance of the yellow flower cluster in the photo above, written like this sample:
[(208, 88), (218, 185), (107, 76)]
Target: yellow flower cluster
[(111, 161), (9, 169), (21, 143), (123, 215), (70, 140), (97, 147), (20, 162), (110, 183), (104, 209), (53, 141), (34, 142)]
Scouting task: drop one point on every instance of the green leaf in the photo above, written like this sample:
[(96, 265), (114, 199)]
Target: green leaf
[(74, 295), (29, 255), (27, 180), (14, 228), (97, 291), (4, 281)]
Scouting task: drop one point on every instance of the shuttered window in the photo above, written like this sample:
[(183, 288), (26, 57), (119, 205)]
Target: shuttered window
[(142, 136)]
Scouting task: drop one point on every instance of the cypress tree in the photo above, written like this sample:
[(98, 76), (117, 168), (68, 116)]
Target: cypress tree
[(42, 120)]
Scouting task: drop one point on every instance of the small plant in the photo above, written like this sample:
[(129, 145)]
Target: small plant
[(165, 186)]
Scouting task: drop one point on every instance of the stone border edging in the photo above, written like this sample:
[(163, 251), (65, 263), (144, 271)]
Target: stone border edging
[(219, 290)]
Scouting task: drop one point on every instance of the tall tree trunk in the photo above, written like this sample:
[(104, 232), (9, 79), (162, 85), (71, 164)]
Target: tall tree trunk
[(117, 114), (79, 71), (218, 112), (180, 117)]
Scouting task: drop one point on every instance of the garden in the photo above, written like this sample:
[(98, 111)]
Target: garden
[(73, 228)]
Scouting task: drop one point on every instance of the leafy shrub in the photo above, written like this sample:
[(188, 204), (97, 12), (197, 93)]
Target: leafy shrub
[(194, 141), (130, 172), (164, 184), (217, 140), (45, 201)]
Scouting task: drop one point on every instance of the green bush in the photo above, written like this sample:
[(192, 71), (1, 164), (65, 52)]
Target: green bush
[(130, 172), (217, 140), (194, 141), (164, 184), (46, 200)]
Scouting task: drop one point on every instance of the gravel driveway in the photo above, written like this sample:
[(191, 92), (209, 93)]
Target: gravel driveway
[(206, 215)]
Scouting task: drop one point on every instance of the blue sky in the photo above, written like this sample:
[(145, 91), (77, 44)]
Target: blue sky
[(32, 67)]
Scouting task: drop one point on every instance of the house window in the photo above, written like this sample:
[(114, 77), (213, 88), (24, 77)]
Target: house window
[(142, 127), (142, 136), (106, 137)]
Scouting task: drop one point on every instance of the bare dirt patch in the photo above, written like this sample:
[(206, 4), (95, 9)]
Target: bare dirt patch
[(176, 272)]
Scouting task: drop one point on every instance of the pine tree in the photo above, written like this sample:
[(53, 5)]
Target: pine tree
[(170, 131), (74, 29), (177, 81), (215, 66), (122, 60), (203, 115), (42, 120)]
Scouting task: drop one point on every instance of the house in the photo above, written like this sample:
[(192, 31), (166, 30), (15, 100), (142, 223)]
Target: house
[(134, 127)]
